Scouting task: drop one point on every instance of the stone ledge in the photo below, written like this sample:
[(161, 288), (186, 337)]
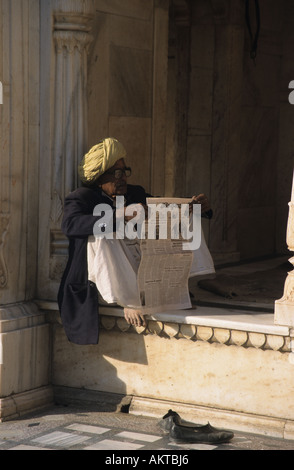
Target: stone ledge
[(210, 324)]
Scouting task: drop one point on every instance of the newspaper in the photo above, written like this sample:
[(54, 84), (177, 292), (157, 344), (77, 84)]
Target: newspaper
[(164, 267)]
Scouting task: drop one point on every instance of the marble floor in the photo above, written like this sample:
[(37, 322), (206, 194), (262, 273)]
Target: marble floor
[(86, 428)]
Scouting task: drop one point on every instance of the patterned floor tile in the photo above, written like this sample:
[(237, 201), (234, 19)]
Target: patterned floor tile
[(61, 439), (138, 437), (87, 428), (193, 446), (26, 447), (109, 444)]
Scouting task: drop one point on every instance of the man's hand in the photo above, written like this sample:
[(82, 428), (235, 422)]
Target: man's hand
[(134, 317)]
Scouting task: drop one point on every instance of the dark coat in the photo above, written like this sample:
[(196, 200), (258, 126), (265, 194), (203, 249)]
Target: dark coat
[(77, 296)]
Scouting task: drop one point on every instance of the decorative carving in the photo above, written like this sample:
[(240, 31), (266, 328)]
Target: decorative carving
[(238, 338), (171, 329), (188, 331), (69, 41), (224, 336), (155, 327), (4, 223)]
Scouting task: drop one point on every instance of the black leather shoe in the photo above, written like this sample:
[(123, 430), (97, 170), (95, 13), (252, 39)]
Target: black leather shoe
[(203, 434), (184, 431), (172, 417)]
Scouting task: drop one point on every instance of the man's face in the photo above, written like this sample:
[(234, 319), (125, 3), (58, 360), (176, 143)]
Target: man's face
[(111, 185)]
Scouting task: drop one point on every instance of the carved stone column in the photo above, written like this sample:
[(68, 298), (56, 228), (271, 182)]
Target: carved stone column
[(68, 133), (72, 24), (24, 330), (284, 308)]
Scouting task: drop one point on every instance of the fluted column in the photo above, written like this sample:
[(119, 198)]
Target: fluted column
[(284, 308), (64, 135), (72, 24), (24, 330)]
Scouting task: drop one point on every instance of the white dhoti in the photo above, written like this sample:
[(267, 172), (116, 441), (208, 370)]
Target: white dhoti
[(113, 266)]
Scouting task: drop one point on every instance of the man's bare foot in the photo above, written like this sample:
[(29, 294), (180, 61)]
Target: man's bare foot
[(134, 317)]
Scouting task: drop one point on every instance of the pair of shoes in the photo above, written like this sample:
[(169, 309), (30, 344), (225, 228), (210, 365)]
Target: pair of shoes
[(185, 432)]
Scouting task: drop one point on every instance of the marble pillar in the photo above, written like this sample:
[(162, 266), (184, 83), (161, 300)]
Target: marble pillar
[(284, 308), (71, 37), (43, 66), (67, 103), (24, 331)]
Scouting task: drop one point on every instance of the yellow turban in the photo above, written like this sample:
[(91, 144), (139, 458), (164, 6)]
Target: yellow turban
[(99, 159)]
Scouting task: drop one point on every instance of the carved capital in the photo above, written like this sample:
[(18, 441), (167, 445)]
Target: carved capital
[(73, 15), (71, 41)]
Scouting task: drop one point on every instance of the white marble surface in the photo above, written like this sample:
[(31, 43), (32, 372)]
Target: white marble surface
[(215, 317)]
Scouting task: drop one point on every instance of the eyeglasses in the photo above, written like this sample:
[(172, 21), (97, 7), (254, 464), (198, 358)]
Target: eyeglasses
[(120, 172)]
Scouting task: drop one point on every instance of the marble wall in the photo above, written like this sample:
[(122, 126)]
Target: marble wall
[(127, 84)]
